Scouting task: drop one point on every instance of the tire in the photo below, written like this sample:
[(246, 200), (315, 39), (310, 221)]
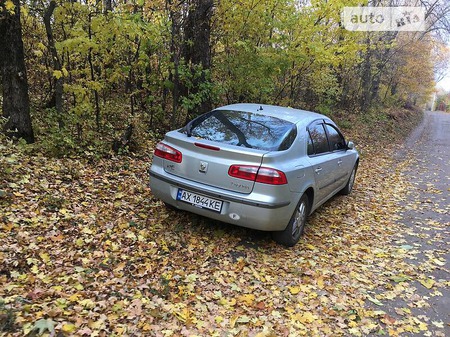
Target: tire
[(294, 230), (351, 181)]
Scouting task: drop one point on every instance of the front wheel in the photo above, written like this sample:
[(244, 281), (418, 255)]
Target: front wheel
[(294, 230), (351, 181)]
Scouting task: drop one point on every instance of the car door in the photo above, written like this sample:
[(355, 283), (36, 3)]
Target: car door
[(344, 160), (322, 161)]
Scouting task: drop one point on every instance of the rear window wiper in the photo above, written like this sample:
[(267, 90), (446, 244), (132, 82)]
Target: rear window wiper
[(193, 123), (188, 129)]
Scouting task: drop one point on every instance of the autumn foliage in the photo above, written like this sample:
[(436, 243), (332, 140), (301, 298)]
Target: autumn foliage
[(85, 250), (97, 68)]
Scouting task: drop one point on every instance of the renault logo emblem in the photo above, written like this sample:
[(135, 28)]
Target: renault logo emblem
[(203, 167)]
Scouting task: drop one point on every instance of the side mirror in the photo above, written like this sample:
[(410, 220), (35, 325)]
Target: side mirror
[(350, 145)]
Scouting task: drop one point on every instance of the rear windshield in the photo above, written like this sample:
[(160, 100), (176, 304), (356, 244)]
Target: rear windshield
[(246, 129)]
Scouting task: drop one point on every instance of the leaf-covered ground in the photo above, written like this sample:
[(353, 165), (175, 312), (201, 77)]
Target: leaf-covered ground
[(87, 251)]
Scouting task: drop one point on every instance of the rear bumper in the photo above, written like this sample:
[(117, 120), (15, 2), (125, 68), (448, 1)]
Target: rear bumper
[(246, 211)]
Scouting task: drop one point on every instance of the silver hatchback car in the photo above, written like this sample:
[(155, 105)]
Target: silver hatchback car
[(258, 166)]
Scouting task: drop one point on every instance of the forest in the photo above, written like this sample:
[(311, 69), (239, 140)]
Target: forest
[(93, 75), (86, 249)]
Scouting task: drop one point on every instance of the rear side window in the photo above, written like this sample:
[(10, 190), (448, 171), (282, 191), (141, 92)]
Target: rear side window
[(245, 129), (318, 142)]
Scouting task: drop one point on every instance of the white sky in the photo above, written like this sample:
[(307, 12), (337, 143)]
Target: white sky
[(444, 83)]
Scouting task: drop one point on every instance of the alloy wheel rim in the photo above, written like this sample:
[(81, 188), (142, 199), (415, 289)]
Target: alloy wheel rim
[(299, 220), (352, 180)]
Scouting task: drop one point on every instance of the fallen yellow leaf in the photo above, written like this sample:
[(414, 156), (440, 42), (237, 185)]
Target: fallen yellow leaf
[(294, 290), (248, 299), (427, 283), (320, 282), (68, 327), (306, 317)]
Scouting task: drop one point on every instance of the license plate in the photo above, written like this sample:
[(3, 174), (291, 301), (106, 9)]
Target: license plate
[(199, 200)]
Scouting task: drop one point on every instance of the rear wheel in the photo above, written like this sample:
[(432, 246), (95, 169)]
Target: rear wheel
[(351, 181), (294, 230)]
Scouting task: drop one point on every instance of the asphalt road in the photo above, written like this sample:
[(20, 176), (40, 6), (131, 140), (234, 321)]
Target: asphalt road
[(426, 214)]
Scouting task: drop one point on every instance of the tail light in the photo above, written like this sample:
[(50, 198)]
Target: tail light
[(258, 174), (167, 152)]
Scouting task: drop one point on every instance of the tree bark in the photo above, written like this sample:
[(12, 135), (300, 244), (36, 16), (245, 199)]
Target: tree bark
[(366, 78), (197, 51), (58, 93), (198, 32), (174, 76), (16, 104), (91, 67), (107, 6)]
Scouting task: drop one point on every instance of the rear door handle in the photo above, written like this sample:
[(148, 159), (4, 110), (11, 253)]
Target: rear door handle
[(318, 170), (339, 162)]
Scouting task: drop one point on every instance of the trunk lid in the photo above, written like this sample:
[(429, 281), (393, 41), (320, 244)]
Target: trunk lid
[(207, 162)]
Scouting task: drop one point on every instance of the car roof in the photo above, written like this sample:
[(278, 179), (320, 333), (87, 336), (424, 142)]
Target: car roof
[(289, 114)]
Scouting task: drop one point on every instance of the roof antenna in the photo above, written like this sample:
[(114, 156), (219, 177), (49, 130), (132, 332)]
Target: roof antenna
[(260, 108)]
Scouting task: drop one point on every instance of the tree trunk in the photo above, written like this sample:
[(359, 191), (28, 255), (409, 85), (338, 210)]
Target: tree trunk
[(174, 76), (91, 67), (107, 6), (58, 93), (16, 104), (197, 52), (366, 78)]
